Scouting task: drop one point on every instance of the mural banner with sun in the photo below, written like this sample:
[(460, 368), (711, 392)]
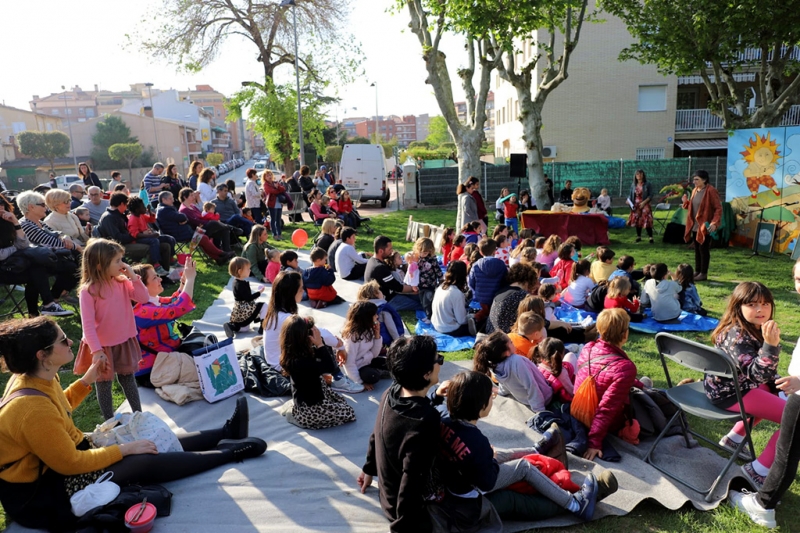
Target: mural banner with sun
[(763, 173)]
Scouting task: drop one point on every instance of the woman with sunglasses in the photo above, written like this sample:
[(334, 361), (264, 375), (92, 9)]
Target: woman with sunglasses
[(16, 269), (45, 458)]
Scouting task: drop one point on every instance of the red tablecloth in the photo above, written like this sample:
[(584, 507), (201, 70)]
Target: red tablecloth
[(590, 229)]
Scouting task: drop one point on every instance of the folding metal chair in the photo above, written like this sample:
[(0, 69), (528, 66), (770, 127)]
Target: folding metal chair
[(317, 223), (10, 303), (691, 399), (660, 224)]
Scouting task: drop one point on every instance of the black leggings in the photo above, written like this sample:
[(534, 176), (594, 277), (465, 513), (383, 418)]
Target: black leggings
[(787, 456), (198, 456), (702, 254), (649, 231)]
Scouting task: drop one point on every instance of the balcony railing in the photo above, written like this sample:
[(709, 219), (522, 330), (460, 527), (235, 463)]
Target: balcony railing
[(702, 119)]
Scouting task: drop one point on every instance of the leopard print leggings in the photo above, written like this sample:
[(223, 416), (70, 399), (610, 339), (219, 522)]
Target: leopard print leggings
[(332, 411)]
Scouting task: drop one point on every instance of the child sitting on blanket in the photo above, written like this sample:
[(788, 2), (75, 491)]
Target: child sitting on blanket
[(502, 251), (290, 262), (527, 332), (472, 466), (318, 281), (395, 262), (273, 264), (391, 324), (518, 376), (458, 248), (580, 285), (690, 300), (564, 266), (305, 358), (245, 309), (515, 256), (617, 295), (548, 292), (364, 346), (549, 355), (451, 304), (603, 266), (661, 295)]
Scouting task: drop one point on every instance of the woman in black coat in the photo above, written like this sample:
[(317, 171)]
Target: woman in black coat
[(89, 178)]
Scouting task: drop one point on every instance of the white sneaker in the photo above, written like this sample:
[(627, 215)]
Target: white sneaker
[(345, 384), (746, 502), (244, 329)]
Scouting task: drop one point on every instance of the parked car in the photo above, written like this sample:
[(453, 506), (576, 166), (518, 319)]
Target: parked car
[(63, 182)]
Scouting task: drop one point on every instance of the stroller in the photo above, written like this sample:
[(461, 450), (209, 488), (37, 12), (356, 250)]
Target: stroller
[(362, 221)]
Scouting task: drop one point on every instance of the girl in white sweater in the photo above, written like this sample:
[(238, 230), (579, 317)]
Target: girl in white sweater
[(450, 305), (580, 285), (363, 344)]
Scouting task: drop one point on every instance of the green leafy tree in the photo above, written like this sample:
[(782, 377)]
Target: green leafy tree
[(359, 140), (272, 111), (430, 20), (126, 153), (48, 145), (214, 159), (717, 41), (333, 154), (110, 130), (419, 144), (534, 75), (438, 132)]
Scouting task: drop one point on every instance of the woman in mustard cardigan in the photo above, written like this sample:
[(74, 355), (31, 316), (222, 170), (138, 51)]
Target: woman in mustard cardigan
[(45, 458), (703, 218)]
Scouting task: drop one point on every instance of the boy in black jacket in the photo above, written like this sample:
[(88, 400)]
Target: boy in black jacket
[(406, 435)]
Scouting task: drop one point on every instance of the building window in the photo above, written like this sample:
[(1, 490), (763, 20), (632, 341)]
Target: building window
[(55, 111), (90, 112), (646, 154), (652, 98)]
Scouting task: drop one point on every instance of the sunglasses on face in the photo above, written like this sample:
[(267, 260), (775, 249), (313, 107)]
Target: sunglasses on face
[(63, 340), (440, 360), (41, 205)]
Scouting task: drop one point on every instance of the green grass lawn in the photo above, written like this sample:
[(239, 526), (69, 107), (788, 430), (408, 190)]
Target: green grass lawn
[(728, 267)]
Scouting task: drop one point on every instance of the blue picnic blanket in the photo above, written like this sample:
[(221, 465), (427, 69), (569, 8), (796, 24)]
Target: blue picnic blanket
[(616, 222), (444, 342), (688, 321)]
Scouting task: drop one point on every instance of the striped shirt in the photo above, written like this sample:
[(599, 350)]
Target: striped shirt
[(41, 236)]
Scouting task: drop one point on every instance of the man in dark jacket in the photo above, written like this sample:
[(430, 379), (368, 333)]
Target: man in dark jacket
[(113, 225), (406, 435)]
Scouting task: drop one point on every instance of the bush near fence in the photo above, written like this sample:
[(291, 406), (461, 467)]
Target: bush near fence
[(437, 186)]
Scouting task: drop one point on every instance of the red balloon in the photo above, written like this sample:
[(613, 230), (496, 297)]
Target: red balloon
[(299, 237)]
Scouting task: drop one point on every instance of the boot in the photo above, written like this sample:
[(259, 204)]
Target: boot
[(552, 445), (606, 484), (243, 448), (238, 425)]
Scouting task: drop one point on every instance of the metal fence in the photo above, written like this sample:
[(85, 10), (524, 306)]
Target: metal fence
[(437, 186)]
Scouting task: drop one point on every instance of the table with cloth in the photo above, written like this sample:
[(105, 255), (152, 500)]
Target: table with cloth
[(590, 229)]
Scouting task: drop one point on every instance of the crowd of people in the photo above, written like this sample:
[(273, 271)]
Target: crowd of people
[(437, 470)]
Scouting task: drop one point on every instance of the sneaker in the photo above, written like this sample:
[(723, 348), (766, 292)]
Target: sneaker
[(747, 503), (238, 425), (243, 448), (755, 480), (345, 384), (229, 331), (473, 328), (54, 310), (552, 445), (587, 498), (606, 484), (244, 328), (160, 272), (210, 340), (728, 444)]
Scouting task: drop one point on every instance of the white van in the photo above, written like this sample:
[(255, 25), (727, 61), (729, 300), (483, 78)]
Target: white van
[(363, 167)]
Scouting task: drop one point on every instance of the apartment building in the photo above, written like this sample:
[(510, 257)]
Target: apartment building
[(212, 101), (461, 112), (607, 109), (14, 121)]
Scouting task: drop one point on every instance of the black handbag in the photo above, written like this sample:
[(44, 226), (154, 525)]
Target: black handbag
[(15, 264), (39, 256)]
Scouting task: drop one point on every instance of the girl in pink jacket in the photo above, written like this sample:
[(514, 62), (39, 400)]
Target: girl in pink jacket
[(109, 327)]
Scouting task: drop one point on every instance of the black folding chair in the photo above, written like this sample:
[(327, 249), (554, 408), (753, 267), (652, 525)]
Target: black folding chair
[(10, 303), (317, 223), (691, 399)]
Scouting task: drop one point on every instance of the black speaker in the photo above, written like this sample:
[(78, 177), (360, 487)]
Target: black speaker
[(519, 163)]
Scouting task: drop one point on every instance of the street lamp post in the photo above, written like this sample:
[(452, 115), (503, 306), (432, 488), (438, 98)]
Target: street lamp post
[(69, 126), (153, 112), (286, 3), (377, 134)]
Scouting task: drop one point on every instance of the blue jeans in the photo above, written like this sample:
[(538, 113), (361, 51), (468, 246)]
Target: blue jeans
[(513, 223), (406, 302), (257, 216), (242, 223), (162, 248), (275, 214)]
